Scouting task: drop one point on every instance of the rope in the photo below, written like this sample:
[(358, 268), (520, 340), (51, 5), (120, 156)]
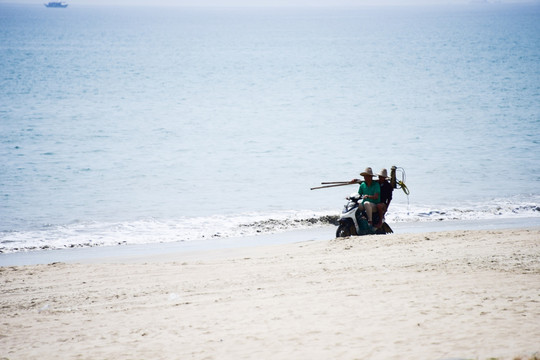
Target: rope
[(402, 186), (401, 182)]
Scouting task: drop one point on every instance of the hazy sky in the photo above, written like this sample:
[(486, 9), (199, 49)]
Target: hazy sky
[(269, 2)]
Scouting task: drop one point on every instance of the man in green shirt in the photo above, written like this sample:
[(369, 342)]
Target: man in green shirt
[(371, 194)]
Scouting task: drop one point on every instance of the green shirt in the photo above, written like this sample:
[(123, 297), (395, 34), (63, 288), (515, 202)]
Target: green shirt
[(375, 188)]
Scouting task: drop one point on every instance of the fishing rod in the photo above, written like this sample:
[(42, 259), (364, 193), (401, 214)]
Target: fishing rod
[(329, 184), (337, 182), (394, 181)]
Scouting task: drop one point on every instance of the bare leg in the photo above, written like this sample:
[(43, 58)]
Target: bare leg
[(381, 208), (370, 207)]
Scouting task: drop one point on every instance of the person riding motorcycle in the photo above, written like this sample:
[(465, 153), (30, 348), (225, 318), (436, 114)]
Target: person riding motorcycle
[(370, 192), (386, 195)]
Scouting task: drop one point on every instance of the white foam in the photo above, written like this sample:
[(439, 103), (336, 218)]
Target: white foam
[(147, 231)]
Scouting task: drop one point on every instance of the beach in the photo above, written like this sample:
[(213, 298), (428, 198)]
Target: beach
[(461, 294), (158, 167)]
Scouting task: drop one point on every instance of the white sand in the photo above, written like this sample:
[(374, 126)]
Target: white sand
[(459, 294)]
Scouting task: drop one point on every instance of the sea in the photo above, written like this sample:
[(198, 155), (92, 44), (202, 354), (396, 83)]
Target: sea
[(145, 125)]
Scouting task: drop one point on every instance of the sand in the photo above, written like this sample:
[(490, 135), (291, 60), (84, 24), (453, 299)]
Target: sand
[(440, 295)]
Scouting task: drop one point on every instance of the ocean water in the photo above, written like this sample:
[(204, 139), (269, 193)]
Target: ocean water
[(124, 125)]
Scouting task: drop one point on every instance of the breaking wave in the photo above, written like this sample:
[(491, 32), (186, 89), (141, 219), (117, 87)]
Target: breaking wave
[(90, 234)]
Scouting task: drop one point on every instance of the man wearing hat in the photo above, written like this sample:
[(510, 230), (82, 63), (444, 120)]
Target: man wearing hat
[(386, 195), (370, 192)]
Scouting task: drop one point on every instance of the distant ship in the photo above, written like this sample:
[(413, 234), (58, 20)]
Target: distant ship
[(56, 4)]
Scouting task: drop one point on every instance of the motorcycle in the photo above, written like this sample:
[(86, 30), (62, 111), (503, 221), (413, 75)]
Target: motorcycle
[(353, 221)]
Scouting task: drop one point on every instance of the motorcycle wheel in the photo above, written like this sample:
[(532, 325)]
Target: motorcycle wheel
[(343, 230)]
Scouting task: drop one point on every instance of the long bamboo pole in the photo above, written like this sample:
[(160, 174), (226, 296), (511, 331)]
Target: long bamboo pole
[(329, 186)]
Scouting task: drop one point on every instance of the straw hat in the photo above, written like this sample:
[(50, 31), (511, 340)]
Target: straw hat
[(367, 172), (383, 174)]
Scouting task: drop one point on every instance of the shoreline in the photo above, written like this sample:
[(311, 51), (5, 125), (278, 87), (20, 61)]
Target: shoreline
[(133, 252), (461, 294)]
